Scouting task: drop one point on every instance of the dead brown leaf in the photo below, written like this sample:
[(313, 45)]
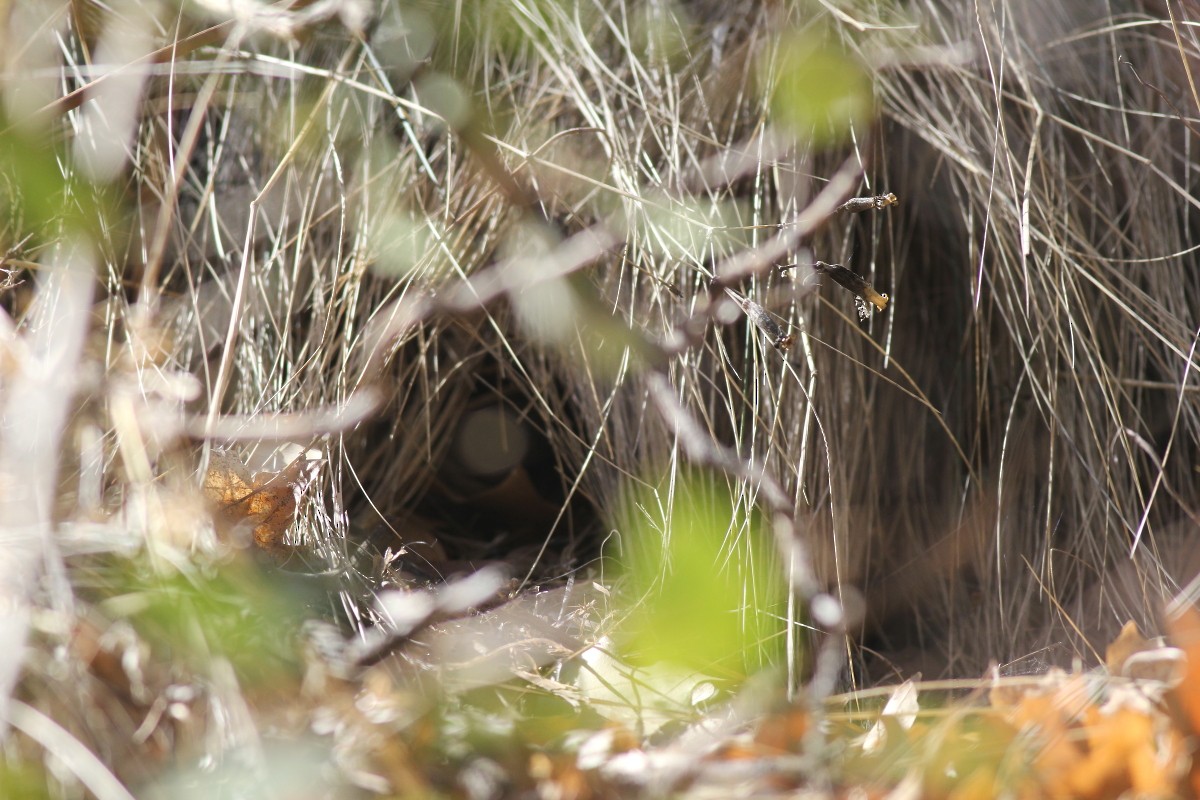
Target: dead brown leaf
[(266, 502), (783, 732), (1183, 629), (1128, 642)]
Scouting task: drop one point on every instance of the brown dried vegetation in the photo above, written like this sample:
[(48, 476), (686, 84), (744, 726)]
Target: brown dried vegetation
[(515, 277)]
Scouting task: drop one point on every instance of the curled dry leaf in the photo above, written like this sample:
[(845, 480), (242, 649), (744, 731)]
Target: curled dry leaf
[(1126, 751), (266, 502), (1165, 665), (1127, 643), (1183, 630), (902, 706), (1082, 749), (1132, 655), (782, 732), (856, 285)]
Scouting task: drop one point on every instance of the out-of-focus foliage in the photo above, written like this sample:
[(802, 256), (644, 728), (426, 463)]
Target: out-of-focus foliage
[(234, 612), (818, 91), (701, 579), (37, 194)]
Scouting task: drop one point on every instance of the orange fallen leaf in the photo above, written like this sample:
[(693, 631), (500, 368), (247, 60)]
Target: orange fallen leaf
[(1113, 743), (979, 785), (1183, 629), (266, 501), (783, 732), (227, 481), (558, 777)]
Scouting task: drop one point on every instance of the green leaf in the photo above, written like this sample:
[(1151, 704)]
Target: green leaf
[(703, 580), (40, 196), (817, 90)]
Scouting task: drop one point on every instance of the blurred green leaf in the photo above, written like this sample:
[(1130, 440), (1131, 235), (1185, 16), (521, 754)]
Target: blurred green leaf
[(444, 96), (36, 192), (25, 779), (817, 89), (408, 246), (403, 39), (705, 591), (238, 612), (690, 230), (465, 29), (640, 698), (286, 769)]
